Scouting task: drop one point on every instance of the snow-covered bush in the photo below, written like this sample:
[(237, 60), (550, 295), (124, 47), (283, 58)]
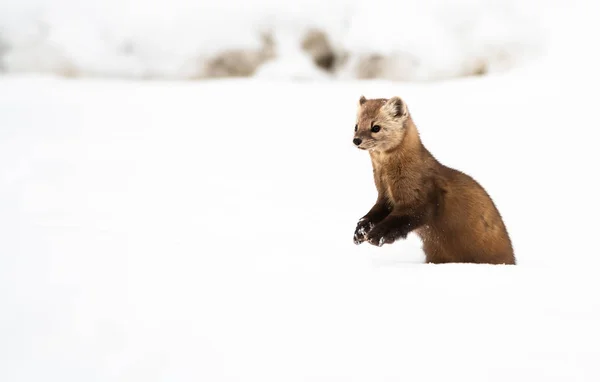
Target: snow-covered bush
[(188, 39)]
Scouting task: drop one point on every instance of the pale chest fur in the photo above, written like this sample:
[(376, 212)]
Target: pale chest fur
[(394, 181), (388, 181)]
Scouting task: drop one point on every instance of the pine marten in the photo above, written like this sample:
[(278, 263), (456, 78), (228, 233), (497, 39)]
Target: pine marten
[(453, 215)]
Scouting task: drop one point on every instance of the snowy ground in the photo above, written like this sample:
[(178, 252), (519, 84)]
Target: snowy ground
[(156, 231)]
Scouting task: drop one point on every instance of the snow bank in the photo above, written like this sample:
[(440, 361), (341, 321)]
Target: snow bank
[(407, 39), (161, 231)]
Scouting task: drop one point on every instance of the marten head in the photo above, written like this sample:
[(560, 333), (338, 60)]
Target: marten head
[(380, 123)]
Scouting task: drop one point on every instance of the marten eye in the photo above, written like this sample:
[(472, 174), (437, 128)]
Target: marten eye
[(355, 127), (375, 128)]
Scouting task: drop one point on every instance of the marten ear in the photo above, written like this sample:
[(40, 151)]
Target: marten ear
[(395, 107), (362, 100)]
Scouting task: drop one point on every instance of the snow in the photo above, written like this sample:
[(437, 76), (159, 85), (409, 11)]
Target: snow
[(202, 231), (175, 39), (163, 231)]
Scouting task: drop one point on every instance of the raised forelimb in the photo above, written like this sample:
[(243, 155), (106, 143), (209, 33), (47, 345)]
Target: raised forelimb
[(399, 223), (378, 212)]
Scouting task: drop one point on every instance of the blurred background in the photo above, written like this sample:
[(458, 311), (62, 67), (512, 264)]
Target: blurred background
[(405, 40)]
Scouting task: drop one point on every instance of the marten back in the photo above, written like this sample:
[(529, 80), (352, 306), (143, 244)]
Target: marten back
[(468, 226)]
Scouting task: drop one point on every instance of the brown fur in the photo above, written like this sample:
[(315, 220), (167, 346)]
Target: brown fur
[(454, 216)]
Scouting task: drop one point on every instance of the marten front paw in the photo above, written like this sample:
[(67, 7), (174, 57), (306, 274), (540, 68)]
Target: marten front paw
[(385, 234), (363, 227)]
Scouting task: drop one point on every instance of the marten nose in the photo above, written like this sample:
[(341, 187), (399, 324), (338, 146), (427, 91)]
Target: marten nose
[(357, 141)]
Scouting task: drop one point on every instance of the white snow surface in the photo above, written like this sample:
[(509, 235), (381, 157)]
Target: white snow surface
[(171, 231), (159, 231)]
